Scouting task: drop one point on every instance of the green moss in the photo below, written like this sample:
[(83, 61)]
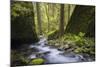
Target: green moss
[(22, 23), (38, 61)]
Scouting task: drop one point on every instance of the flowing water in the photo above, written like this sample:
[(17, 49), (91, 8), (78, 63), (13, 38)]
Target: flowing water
[(53, 55)]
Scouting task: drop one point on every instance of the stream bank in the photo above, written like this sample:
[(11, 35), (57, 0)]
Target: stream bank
[(42, 53)]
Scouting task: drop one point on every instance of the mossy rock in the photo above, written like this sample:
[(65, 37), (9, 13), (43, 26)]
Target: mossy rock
[(38, 61)]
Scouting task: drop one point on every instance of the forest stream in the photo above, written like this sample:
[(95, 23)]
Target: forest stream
[(53, 55), (51, 33)]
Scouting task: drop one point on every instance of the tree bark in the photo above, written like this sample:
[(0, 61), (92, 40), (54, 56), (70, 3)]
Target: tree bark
[(80, 19), (39, 18), (68, 11), (61, 25), (47, 14)]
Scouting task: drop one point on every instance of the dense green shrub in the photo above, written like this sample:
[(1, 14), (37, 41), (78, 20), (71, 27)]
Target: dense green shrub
[(80, 43), (83, 44)]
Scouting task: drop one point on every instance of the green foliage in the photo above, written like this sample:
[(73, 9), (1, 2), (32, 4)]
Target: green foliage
[(73, 37), (20, 9), (51, 32), (18, 57), (81, 34), (50, 16), (38, 61), (78, 50), (53, 35), (81, 43)]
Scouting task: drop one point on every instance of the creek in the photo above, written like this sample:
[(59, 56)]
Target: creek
[(51, 54)]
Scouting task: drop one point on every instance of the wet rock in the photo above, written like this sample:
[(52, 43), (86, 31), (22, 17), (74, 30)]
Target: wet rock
[(46, 43), (32, 56), (81, 58), (42, 54), (87, 57), (30, 51), (68, 50), (66, 47), (60, 49), (35, 49), (71, 54), (47, 52), (56, 44)]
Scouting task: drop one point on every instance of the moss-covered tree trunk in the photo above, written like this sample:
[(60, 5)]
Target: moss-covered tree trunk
[(82, 20), (39, 19), (61, 25), (22, 24)]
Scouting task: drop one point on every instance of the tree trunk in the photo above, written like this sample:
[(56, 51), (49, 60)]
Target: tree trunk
[(61, 25), (68, 11), (39, 18), (47, 14), (80, 19)]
